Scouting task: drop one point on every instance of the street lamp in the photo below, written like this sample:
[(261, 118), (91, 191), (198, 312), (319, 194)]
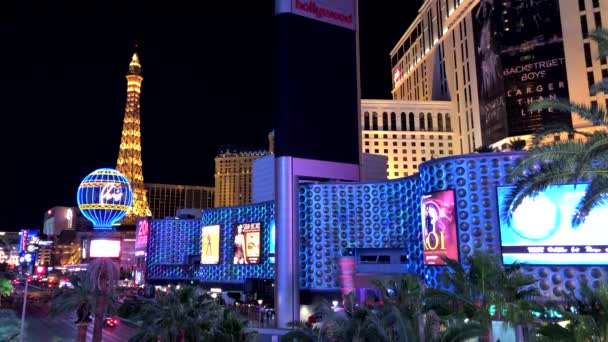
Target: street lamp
[(27, 260), (260, 301)]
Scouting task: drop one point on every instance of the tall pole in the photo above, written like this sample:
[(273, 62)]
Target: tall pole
[(23, 310)]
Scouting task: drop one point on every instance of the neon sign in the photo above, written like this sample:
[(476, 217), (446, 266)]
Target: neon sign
[(104, 197)]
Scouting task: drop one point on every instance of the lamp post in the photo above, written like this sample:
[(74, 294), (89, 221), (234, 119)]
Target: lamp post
[(260, 301), (28, 260)]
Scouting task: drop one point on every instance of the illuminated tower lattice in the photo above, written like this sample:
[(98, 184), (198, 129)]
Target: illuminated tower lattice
[(129, 156)]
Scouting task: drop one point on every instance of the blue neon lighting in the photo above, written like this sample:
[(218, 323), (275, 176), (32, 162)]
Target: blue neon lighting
[(104, 196)]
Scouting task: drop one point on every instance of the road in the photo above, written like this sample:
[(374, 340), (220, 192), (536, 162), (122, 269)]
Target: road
[(40, 328)]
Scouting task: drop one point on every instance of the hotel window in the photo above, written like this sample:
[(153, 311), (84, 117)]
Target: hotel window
[(584, 28), (385, 143), (588, 60), (411, 119), (375, 143), (448, 123), (394, 143), (429, 120), (590, 78), (366, 121), (395, 151), (598, 19), (423, 159), (421, 121), (604, 73), (581, 5), (403, 122), (366, 143), (375, 121), (450, 152), (385, 136), (376, 151), (440, 122), (393, 122), (367, 135), (386, 151), (385, 121), (596, 3)]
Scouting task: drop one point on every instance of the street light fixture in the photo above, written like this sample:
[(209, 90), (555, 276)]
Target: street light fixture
[(260, 301)]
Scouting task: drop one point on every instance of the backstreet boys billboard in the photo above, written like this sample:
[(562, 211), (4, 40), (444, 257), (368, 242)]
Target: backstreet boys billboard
[(439, 227), (210, 245), (520, 60), (247, 243)]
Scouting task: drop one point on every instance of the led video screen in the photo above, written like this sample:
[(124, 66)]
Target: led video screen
[(210, 245), (540, 231), (247, 243), (272, 248), (104, 248), (439, 227)]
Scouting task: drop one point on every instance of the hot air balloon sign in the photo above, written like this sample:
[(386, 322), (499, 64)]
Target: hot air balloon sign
[(104, 197)]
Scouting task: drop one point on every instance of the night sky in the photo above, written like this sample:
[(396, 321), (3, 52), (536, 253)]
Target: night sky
[(206, 84)]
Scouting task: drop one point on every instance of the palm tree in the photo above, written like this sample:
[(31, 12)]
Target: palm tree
[(5, 288), (181, 315), (588, 318), (103, 274), (80, 298), (583, 158), (517, 145), (484, 149), (483, 291)]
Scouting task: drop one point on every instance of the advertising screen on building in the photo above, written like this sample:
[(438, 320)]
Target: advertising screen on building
[(439, 227), (520, 60), (210, 245), (143, 229), (247, 243), (104, 248), (540, 230), (272, 248), (27, 237)]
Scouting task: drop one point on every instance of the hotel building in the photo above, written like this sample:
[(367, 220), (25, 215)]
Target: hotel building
[(492, 58)]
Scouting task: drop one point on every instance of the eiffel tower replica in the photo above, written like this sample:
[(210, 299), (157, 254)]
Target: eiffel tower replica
[(129, 155)]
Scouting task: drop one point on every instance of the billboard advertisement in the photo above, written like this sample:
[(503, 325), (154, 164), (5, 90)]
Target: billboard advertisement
[(439, 227), (335, 12), (104, 248), (27, 237), (210, 245), (540, 230), (520, 60), (247, 243), (142, 232)]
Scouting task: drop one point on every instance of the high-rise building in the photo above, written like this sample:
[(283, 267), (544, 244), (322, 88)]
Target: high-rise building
[(166, 199), (493, 58), (407, 132), (129, 155), (58, 219), (233, 171)]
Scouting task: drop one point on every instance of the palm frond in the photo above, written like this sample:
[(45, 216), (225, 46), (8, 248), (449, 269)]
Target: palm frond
[(596, 116), (552, 129), (595, 196), (599, 87), (600, 35)]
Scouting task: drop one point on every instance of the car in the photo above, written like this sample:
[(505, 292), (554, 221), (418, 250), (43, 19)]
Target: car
[(110, 322)]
